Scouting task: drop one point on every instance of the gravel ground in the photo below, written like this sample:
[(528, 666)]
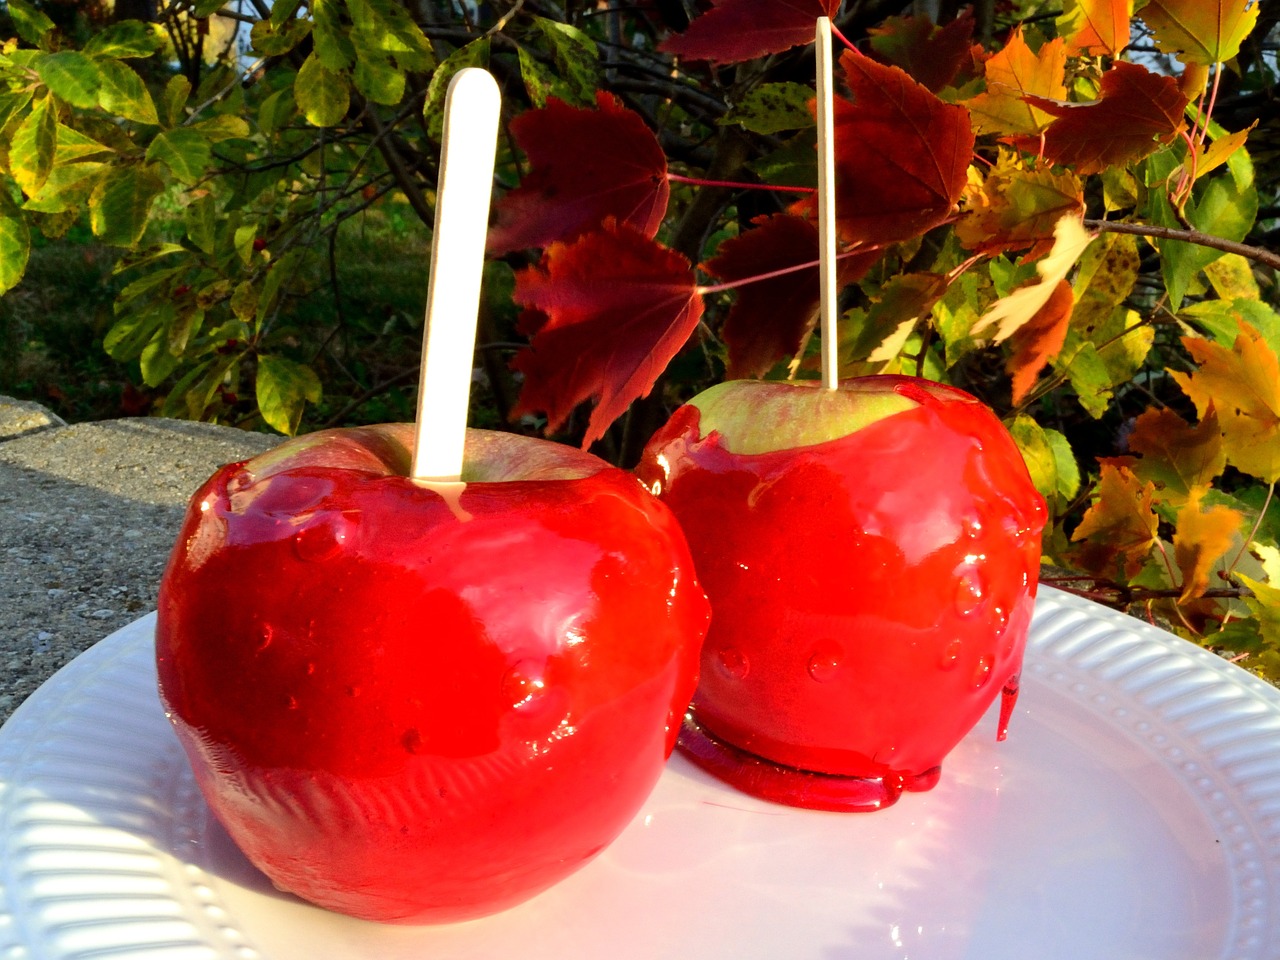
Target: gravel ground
[(88, 514)]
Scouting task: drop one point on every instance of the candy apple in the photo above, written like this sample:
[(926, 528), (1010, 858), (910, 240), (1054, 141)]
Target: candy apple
[(411, 703), (871, 555)]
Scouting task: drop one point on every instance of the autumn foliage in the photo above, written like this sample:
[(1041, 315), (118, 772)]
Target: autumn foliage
[(1050, 210)]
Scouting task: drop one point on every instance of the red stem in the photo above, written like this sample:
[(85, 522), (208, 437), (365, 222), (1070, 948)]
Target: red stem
[(795, 268), (698, 182), (1213, 99), (845, 40)]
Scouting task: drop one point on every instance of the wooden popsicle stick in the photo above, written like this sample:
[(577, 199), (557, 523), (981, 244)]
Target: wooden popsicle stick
[(472, 105), (826, 208)]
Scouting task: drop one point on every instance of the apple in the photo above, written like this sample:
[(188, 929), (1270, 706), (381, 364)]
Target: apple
[(411, 703), (871, 554)]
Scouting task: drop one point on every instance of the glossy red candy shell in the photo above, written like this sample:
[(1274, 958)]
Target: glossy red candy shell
[(413, 710)]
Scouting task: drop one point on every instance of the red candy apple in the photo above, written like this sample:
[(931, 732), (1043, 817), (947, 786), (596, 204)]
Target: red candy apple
[(871, 555), (416, 706)]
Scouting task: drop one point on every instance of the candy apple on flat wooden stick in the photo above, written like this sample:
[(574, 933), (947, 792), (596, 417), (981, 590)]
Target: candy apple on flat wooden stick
[(423, 673), (870, 548), (871, 556)]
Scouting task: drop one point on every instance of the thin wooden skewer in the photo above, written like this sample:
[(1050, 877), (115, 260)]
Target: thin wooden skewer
[(826, 208)]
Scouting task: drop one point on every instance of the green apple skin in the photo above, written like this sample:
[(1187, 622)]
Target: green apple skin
[(871, 554), (419, 704)]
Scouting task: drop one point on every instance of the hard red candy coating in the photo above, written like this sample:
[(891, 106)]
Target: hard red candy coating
[(871, 595), (411, 710)]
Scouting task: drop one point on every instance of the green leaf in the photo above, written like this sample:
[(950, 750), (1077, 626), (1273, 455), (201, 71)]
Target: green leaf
[(34, 144), (67, 187), (184, 151), (190, 396), (268, 41), (954, 316), (131, 332), (72, 76), (121, 203), (539, 81), (378, 79), (207, 8), (202, 223), (155, 361), (333, 47), (1049, 459), (176, 93), (127, 38), (222, 127), (276, 111), (385, 26), (124, 94), (773, 107), (323, 95), (794, 164), (146, 257), (576, 58), (15, 243), (244, 301), (186, 323), (30, 23), (1223, 206), (74, 145), (1087, 372), (283, 11), (1221, 319), (1065, 460), (474, 54), (243, 242), (284, 387), (275, 278), (11, 104)]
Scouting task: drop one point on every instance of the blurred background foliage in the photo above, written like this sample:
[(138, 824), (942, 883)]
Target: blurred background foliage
[(222, 211)]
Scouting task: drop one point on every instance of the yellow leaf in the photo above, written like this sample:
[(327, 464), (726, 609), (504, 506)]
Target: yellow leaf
[(1182, 460), (1070, 239), (1120, 522), (1232, 278), (1203, 537), (1269, 557), (1201, 31), (1013, 73), (1015, 208), (1205, 160), (1243, 385), (1095, 27)]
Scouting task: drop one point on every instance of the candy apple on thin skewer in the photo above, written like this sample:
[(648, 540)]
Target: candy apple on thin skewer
[(871, 550), (424, 672)]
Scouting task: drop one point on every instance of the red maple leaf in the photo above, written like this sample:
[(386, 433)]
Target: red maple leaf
[(736, 30), (1136, 112), (584, 165), (615, 307), (931, 55), (770, 318), (902, 156)]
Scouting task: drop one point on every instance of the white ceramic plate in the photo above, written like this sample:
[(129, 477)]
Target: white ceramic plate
[(1133, 813)]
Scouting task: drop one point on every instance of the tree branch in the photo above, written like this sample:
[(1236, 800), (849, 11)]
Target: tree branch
[(1257, 254)]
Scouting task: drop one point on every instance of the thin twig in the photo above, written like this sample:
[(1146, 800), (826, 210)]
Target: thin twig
[(1257, 254)]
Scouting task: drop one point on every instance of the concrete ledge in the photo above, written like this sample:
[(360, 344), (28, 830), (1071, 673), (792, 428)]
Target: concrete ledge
[(19, 417), (88, 514)]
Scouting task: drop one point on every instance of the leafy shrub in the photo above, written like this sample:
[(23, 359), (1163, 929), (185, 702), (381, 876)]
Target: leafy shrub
[(1060, 211)]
